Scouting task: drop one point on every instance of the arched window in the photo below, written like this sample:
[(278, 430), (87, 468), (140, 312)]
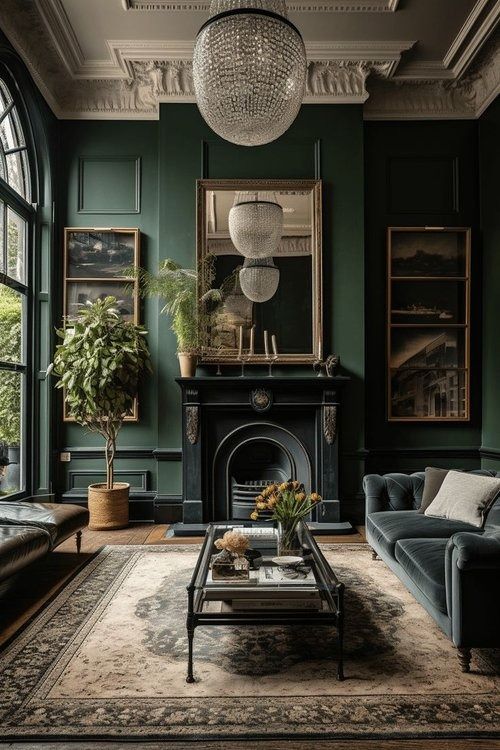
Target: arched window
[(16, 235)]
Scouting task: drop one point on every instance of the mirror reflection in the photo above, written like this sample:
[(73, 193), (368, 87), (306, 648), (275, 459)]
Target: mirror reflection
[(259, 265)]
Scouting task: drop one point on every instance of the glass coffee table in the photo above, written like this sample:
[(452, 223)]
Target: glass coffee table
[(305, 594)]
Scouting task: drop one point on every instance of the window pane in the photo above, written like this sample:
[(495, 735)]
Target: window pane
[(11, 387), (5, 97), (15, 173), (11, 328), (2, 253), (16, 245)]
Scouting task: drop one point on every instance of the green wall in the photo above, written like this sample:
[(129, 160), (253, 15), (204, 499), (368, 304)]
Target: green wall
[(326, 142), (489, 154), (412, 174), (418, 174)]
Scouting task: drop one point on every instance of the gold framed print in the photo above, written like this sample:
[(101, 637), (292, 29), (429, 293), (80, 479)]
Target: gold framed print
[(95, 262), (428, 324)]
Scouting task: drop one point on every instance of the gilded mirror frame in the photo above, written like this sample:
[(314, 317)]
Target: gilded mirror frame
[(213, 355)]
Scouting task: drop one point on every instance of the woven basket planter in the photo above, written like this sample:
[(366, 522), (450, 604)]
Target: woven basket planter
[(108, 508)]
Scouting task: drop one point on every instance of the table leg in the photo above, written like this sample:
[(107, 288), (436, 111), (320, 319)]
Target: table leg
[(190, 632), (340, 631)]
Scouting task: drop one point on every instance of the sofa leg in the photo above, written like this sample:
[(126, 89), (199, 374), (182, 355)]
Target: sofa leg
[(78, 541), (374, 555), (464, 656)]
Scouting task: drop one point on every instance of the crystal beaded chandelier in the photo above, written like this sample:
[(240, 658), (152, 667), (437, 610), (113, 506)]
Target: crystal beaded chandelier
[(255, 225), (249, 70), (259, 279)]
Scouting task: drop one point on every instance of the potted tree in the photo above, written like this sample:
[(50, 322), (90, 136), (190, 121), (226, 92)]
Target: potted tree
[(100, 363)]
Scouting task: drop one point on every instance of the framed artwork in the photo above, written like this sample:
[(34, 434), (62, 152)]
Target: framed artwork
[(95, 261), (428, 324)]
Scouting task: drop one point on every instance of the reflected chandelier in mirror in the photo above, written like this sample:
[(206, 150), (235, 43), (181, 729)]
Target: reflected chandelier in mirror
[(259, 270)]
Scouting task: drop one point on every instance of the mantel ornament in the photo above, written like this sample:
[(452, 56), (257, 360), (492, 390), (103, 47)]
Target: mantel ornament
[(261, 399), (330, 423), (329, 365), (192, 424)]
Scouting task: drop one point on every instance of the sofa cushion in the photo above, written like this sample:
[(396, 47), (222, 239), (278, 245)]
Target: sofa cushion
[(20, 546), (434, 478), (423, 561), (463, 497), (60, 521), (387, 526)]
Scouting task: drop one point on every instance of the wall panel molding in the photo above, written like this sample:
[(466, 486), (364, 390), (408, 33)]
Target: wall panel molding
[(141, 475), (134, 207), (160, 454), (439, 170)]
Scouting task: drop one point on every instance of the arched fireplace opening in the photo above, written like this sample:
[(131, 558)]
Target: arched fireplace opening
[(248, 459), (254, 465)]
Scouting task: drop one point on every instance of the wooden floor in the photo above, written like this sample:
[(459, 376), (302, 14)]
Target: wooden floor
[(34, 588), (265, 745)]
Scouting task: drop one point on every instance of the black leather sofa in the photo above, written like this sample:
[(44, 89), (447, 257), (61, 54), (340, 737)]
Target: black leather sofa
[(28, 530), (452, 568)]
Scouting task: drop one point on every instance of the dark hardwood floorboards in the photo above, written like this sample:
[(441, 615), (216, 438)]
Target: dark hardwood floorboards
[(264, 745), (40, 582)]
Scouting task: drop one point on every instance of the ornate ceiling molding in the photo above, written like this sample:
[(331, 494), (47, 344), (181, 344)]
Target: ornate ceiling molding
[(465, 98), (138, 76), (306, 6), (478, 26)]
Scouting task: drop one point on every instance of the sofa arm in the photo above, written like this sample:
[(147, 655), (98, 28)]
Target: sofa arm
[(476, 551), (375, 490), (393, 491), (472, 566)]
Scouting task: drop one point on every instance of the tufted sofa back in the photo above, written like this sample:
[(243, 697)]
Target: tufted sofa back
[(404, 492)]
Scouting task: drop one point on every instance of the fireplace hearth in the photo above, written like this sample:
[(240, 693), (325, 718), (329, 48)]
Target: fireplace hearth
[(240, 434)]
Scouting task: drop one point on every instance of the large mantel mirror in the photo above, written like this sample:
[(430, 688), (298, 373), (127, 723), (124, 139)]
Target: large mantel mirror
[(259, 270)]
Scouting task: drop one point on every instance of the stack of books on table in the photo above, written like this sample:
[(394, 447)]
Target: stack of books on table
[(268, 588)]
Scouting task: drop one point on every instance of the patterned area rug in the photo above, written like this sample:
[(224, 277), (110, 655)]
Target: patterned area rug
[(107, 658)]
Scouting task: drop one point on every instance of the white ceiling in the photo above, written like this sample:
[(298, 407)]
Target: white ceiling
[(120, 58)]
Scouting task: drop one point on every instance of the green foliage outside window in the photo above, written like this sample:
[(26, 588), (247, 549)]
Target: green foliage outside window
[(10, 351)]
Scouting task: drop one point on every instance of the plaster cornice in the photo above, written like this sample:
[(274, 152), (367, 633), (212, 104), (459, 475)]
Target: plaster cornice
[(138, 76), (294, 6)]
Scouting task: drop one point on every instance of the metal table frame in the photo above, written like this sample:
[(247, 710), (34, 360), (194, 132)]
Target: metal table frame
[(331, 589)]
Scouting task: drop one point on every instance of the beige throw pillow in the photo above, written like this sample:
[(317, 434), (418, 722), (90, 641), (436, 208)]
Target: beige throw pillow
[(464, 497)]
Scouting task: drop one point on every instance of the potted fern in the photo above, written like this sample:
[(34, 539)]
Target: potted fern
[(100, 364), (177, 287)]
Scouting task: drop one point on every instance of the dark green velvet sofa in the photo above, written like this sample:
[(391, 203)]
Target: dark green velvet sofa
[(451, 567)]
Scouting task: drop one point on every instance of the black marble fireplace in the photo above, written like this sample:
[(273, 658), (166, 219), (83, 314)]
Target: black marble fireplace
[(242, 433)]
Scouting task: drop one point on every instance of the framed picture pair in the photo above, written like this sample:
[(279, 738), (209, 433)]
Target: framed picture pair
[(95, 262), (428, 324)]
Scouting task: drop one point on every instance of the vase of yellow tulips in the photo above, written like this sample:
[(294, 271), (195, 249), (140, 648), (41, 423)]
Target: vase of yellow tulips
[(288, 503)]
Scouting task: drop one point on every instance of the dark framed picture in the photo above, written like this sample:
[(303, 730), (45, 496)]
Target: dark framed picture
[(79, 293), (100, 254), (95, 261), (429, 394), (412, 347), (428, 324), (429, 302), (428, 253)]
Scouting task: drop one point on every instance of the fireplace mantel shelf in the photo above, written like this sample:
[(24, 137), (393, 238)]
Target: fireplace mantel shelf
[(261, 380)]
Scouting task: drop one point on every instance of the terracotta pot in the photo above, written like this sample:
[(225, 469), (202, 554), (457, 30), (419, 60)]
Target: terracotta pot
[(187, 363), (108, 508)]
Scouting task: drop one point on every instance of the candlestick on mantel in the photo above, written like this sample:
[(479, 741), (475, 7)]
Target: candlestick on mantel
[(252, 339), (266, 343), (275, 346), (240, 350)]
